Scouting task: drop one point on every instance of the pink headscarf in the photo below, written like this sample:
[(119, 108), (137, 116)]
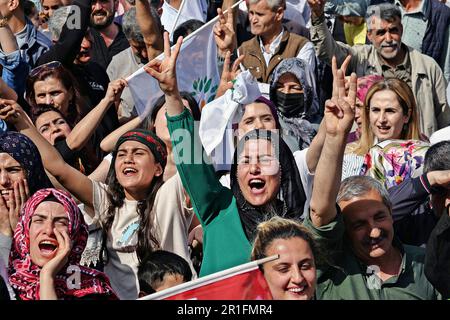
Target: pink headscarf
[(364, 84), (24, 274)]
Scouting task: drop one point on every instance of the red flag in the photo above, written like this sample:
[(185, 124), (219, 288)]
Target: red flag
[(244, 282)]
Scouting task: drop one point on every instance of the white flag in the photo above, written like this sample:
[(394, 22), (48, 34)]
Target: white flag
[(196, 72), (189, 9)]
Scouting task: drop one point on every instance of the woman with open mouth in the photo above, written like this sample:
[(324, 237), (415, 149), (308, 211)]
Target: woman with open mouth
[(136, 210), (46, 251), (264, 178), (293, 275)]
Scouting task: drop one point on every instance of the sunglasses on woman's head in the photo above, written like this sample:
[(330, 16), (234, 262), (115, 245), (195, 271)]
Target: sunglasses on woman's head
[(49, 65)]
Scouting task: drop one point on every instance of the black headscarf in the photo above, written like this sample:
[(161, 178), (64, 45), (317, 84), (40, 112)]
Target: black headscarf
[(24, 151), (291, 197)]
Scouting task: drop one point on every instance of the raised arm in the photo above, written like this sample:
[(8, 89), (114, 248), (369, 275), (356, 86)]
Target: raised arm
[(73, 180), (165, 72), (84, 129), (324, 44), (149, 29), (315, 149), (68, 45), (6, 91), (209, 199), (224, 32), (339, 115), (15, 68), (228, 75), (108, 143), (7, 39)]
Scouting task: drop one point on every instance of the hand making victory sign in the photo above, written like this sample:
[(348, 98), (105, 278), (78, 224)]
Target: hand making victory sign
[(340, 109), (165, 72)]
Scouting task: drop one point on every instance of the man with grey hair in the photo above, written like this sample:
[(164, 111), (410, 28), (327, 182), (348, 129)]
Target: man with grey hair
[(389, 57), (131, 59), (366, 260), (271, 42)]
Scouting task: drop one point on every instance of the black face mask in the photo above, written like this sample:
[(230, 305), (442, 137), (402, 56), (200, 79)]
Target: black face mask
[(291, 105)]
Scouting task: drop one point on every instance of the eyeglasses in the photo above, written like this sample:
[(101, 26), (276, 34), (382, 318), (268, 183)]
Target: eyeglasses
[(49, 65)]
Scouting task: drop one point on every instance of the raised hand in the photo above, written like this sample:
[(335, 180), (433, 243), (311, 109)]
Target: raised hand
[(317, 7), (340, 110), (12, 112), (228, 75), (5, 225), (52, 267), (17, 201), (115, 89), (343, 67), (224, 33), (165, 70)]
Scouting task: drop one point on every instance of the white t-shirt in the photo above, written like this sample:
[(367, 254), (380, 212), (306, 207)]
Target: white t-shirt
[(306, 176), (171, 220)]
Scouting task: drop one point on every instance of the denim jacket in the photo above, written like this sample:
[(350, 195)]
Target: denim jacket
[(17, 64)]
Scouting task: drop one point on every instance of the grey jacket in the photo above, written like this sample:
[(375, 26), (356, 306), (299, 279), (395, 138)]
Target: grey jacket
[(428, 81)]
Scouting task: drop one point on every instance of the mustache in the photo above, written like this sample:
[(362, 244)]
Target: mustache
[(393, 43), (368, 241), (100, 11)]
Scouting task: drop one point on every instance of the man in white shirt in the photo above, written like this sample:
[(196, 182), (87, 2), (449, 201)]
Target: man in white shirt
[(272, 43)]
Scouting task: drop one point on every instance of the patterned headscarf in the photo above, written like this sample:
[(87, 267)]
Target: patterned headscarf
[(364, 84), (24, 274), (148, 138), (302, 129), (24, 151)]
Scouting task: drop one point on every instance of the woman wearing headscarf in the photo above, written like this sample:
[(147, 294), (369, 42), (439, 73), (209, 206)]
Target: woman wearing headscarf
[(46, 250), (137, 211), (21, 175), (265, 180), (24, 151), (293, 91)]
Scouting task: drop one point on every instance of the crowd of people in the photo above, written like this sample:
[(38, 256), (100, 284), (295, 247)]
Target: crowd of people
[(332, 116)]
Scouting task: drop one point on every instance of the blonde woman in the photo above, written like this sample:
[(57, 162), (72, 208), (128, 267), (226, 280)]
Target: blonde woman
[(389, 113)]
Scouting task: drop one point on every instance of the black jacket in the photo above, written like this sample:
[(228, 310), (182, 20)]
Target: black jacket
[(414, 219), (437, 259)]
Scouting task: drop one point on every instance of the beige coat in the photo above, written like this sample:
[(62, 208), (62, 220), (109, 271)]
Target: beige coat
[(428, 81)]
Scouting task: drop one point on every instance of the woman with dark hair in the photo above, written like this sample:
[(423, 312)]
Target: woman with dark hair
[(264, 178), (136, 210), (156, 122), (53, 84), (71, 141), (47, 247)]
